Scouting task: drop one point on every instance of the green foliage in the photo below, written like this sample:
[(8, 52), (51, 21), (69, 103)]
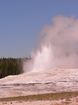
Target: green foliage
[(10, 66)]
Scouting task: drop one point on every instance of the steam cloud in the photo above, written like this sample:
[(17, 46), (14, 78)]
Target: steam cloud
[(58, 47)]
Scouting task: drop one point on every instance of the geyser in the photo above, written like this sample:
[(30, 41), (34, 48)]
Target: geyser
[(43, 59), (58, 47)]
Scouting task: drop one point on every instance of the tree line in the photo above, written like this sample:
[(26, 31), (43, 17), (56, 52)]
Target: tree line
[(10, 66)]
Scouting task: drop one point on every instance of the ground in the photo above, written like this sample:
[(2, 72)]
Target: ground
[(55, 87), (64, 98)]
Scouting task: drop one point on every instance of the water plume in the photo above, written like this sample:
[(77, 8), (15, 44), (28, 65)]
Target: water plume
[(58, 47)]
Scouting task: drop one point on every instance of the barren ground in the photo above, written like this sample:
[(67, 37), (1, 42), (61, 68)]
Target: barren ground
[(57, 87), (64, 98)]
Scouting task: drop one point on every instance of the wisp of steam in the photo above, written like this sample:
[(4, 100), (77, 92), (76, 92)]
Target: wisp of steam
[(58, 47)]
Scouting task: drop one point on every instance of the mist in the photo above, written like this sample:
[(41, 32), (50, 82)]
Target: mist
[(58, 47)]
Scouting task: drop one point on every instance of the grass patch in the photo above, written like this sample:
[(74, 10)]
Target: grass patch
[(47, 96)]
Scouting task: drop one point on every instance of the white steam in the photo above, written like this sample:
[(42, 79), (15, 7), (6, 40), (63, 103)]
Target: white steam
[(43, 59), (58, 45)]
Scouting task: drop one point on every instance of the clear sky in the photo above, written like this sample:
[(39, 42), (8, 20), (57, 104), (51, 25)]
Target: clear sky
[(22, 20)]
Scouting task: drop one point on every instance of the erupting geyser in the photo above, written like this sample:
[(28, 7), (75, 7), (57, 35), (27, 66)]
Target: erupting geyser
[(43, 59), (58, 47), (54, 64)]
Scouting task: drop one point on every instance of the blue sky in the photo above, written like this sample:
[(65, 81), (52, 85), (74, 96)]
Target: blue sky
[(22, 20)]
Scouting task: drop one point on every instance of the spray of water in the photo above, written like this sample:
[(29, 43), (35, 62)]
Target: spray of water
[(43, 59), (58, 46)]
